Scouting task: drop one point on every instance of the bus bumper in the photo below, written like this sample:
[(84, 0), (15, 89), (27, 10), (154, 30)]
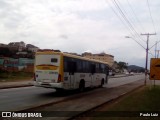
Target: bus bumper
[(48, 85)]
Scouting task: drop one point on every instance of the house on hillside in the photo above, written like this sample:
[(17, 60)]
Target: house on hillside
[(32, 48), (18, 46)]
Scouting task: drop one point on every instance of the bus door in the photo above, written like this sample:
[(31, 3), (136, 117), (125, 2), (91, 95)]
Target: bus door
[(72, 69)]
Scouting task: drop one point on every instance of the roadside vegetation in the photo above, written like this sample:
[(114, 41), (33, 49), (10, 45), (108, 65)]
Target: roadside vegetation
[(143, 100), (14, 76)]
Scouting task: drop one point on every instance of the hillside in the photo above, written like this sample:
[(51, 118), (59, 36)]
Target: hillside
[(134, 68)]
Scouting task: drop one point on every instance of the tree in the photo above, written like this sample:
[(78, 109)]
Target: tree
[(122, 65), (5, 52)]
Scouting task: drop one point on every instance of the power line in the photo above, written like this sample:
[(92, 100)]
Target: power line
[(132, 23), (154, 44), (136, 42), (117, 14), (129, 29), (151, 16), (125, 26), (125, 18), (151, 54), (135, 16)]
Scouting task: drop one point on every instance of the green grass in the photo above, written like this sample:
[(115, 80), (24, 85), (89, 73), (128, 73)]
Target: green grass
[(14, 76), (146, 99)]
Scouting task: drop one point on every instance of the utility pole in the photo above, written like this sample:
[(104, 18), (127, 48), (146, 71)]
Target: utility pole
[(148, 34), (158, 53), (155, 48)]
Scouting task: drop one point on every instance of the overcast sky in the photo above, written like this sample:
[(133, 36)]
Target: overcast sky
[(83, 25)]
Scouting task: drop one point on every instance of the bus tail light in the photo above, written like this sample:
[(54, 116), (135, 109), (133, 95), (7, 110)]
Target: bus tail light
[(59, 78)]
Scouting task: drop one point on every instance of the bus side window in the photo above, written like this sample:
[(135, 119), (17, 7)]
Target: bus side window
[(66, 67), (107, 70), (102, 68), (55, 60), (72, 67), (93, 68), (79, 66), (97, 68), (85, 66)]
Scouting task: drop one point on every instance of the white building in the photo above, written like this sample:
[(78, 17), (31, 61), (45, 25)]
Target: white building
[(101, 57)]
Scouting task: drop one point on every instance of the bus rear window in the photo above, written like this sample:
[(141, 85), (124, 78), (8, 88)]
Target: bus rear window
[(54, 60)]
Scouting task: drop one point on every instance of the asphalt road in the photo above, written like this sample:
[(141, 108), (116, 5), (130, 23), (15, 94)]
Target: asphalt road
[(114, 82), (19, 98)]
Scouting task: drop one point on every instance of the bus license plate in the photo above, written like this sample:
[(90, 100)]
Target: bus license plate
[(47, 81)]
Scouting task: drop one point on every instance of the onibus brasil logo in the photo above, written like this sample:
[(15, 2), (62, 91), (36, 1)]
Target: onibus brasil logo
[(21, 115)]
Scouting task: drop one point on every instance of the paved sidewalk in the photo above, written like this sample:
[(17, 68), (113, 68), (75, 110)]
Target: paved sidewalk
[(23, 83)]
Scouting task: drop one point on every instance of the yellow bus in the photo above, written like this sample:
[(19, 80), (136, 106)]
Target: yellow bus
[(65, 71)]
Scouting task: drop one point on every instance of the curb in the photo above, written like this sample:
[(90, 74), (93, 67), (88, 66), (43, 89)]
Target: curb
[(15, 86)]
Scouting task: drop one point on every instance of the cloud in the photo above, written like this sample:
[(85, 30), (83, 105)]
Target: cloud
[(76, 26)]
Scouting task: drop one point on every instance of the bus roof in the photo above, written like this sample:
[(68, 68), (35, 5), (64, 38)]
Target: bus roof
[(70, 55)]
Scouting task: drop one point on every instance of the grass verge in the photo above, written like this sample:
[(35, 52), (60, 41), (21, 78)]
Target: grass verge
[(144, 100), (15, 76)]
